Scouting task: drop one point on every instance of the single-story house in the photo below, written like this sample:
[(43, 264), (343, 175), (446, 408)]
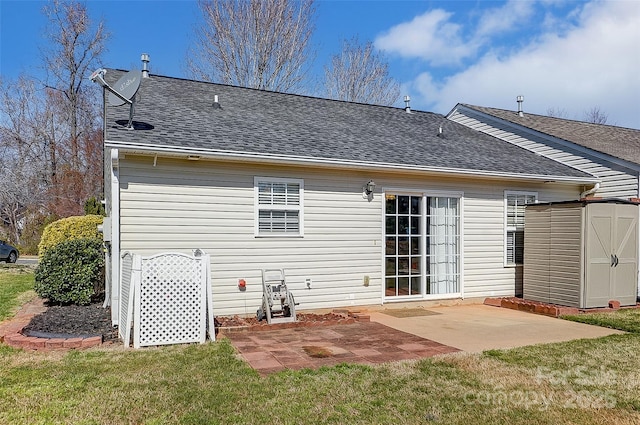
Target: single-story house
[(610, 153), (359, 204)]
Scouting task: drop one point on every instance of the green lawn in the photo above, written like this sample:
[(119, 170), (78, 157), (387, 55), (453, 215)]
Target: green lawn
[(626, 319), (16, 287), (580, 382)]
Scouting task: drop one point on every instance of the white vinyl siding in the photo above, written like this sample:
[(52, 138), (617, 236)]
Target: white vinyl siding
[(180, 205), (514, 205), (617, 179), (279, 206)]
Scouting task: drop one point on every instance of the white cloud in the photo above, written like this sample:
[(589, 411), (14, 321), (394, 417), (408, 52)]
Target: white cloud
[(430, 36), (596, 63), (505, 18)]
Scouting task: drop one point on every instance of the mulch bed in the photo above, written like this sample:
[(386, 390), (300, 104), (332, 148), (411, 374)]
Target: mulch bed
[(73, 321), (303, 319), (91, 320)]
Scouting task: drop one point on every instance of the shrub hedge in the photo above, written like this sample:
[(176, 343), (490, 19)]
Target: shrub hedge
[(76, 227), (72, 272)]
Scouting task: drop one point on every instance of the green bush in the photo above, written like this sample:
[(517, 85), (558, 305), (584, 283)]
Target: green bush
[(76, 227), (93, 206), (71, 272)]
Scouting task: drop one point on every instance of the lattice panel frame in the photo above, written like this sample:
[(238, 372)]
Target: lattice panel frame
[(126, 293), (170, 301)]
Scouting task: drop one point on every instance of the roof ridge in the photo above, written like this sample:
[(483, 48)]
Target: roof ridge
[(478, 107), (300, 95)]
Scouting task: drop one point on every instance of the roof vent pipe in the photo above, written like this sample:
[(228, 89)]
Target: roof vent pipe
[(407, 107), (520, 99), (216, 104), (145, 65)]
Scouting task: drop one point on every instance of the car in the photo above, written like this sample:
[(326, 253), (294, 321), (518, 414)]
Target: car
[(8, 252)]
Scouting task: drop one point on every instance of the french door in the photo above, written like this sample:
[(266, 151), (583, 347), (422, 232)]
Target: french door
[(422, 246)]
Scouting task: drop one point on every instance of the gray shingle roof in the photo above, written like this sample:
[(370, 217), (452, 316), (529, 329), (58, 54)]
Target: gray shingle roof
[(177, 114), (619, 142)]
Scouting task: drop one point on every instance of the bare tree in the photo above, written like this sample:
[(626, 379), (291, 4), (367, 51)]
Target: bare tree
[(50, 135), (76, 46), (261, 44), (360, 74), (557, 112), (596, 116)]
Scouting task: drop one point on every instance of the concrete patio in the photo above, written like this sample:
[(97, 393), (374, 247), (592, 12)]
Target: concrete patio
[(478, 327)]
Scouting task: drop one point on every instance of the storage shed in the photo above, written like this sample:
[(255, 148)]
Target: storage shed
[(581, 253)]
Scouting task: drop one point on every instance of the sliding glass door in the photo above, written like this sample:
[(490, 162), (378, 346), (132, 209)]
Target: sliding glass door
[(422, 246)]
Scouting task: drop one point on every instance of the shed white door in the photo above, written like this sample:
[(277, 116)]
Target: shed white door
[(611, 244)]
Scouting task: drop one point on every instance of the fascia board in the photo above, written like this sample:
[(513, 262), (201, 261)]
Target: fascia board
[(328, 162)]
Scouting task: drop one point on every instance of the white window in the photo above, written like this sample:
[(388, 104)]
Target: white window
[(514, 204), (279, 206)]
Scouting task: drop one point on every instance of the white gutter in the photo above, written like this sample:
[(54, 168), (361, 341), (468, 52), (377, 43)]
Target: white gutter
[(297, 160), (115, 237), (591, 191)]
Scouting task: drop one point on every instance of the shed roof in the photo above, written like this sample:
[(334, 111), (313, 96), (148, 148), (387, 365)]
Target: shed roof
[(177, 115), (619, 142)]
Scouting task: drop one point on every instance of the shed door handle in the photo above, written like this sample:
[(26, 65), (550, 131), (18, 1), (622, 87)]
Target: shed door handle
[(613, 261), (616, 265)]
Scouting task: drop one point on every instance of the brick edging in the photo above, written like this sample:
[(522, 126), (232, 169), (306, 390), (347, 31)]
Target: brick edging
[(18, 340), (537, 307)]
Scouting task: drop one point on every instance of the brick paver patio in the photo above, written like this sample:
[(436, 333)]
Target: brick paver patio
[(361, 342)]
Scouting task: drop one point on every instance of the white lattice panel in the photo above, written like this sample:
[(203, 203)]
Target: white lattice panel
[(171, 301)]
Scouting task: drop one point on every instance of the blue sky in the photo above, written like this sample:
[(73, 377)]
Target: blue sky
[(567, 55)]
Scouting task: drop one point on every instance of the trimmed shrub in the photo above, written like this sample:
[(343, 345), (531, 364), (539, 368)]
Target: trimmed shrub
[(76, 227), (72, 272), (93, 206)]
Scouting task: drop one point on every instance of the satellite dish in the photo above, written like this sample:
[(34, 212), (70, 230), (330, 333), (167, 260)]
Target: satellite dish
[(127, 87), (124, 91)]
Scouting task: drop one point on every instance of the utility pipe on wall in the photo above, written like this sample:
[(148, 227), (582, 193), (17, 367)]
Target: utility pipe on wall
[(591, 191)]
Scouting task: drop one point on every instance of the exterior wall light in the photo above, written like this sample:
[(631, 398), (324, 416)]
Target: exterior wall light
[(368, 189)]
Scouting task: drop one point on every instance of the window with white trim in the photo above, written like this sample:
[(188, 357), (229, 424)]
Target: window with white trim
[(279, 206), (514, 204)]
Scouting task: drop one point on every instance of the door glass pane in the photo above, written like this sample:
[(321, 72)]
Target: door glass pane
[(403, 286), (415, 225), (390, 204), (391, 225), (403, 225), (403, 246), (415, 205), (390, 267), (390, 246), (403, 266), (390, 287), (415, 245), (415, 285), (415, 265), (403, 205)]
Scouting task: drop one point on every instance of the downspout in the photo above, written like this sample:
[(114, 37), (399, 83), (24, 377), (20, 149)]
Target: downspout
[(591, 191), (115, 237)]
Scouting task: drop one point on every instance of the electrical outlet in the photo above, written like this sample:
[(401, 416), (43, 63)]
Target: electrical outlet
[(365, 281)]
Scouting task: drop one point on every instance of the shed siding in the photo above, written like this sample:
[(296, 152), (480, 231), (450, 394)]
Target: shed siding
[(537, 244), (565, 255), (617, 180), (180, 205), (553, 254)]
